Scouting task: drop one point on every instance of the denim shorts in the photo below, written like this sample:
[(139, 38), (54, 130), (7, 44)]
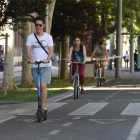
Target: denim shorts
[(45, 75)]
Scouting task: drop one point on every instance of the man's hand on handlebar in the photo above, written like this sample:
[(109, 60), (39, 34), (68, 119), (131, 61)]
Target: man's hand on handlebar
[(69, 61), (32, 61), (46, 61)]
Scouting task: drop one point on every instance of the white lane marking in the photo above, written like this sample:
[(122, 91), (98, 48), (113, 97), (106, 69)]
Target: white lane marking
[(106, 121), (132, 109), (102, 101), (54, 132), (111, 95), (77, 118), (7, 119), (51, 120), (109, 88), (50, 106), (89, 109), (135, 130), (63, 98), (106, 98), (67, 124)]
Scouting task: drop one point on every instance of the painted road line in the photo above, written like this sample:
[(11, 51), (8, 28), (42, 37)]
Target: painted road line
[(89, 109), (77, 118), (67, 124), (51, 120), (135, 131), (111, 96), (107, 121), (50, 106), (63, 98), (109, 88), (7, 119), (54, 132), (132, 109)]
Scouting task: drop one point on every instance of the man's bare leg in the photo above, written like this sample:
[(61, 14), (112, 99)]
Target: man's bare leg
[(43, 95), (103, 67)]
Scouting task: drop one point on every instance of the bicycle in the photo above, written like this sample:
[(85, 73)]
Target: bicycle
[(99, 72), (39, 114), (76, 81)]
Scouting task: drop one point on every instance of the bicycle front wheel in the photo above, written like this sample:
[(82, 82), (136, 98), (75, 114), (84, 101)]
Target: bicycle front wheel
[(78, 92), (98, 77), (75, 86)]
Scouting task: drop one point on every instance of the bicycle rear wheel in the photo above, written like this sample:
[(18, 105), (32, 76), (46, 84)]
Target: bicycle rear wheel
[(75, 86)]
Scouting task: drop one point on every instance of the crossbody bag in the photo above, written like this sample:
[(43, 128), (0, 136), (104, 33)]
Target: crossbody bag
[(40, 44)]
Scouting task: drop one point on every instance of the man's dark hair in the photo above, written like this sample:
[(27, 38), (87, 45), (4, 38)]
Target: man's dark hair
[(101, 43), (39, 18)]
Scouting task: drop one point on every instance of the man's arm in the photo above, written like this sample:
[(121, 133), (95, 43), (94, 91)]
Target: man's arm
[(106, 53), (49, 55), (92, 55), (28, 52)]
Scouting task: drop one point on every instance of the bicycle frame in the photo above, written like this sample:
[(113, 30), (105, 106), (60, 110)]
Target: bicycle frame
[(99, 72), (76, 81), (76, 73), (100, 69)]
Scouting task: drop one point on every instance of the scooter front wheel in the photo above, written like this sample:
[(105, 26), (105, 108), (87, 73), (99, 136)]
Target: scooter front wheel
[(39, 116)]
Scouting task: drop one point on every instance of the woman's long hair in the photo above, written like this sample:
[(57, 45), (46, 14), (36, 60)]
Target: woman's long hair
[(81, 44)]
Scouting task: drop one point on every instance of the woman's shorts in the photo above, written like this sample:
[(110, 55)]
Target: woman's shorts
[(45, 75)]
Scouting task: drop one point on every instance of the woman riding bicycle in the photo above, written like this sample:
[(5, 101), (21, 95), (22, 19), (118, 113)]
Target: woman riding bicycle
[(78, 54)]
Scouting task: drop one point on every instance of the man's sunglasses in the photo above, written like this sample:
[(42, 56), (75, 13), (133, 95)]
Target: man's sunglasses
[(40, 25)]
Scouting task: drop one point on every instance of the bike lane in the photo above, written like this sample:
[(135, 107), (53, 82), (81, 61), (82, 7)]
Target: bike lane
[(110, 112)]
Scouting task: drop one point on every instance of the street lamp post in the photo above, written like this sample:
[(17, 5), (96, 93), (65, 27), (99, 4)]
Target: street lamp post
[(118, 38)]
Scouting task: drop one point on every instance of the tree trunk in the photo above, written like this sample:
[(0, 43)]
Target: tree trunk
[(50, 15), (26, 68), (64, 64), (10, 66), (111, 50)]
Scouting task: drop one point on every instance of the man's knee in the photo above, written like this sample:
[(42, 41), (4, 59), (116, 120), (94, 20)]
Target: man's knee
[(103, 67), (43, 86)]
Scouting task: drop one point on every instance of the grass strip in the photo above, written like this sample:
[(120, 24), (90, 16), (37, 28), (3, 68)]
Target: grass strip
[(29, 94)]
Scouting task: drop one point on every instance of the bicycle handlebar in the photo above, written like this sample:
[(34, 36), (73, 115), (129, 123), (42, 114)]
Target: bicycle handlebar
[(37, 62), (99, 60), (76, 62)]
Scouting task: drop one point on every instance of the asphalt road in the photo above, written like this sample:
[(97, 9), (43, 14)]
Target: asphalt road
[(107, 113)]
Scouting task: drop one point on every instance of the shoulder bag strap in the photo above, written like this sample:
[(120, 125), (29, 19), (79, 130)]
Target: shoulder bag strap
[(40, 44)]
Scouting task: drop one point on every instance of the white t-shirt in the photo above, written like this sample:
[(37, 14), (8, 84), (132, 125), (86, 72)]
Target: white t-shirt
[(37, 52), (126, 56)]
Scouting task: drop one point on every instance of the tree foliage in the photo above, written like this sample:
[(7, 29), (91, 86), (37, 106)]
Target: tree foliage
[(68, 19), (72, 17), (20, 11)]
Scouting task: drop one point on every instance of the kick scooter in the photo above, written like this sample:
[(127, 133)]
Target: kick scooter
[(39, 114)]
